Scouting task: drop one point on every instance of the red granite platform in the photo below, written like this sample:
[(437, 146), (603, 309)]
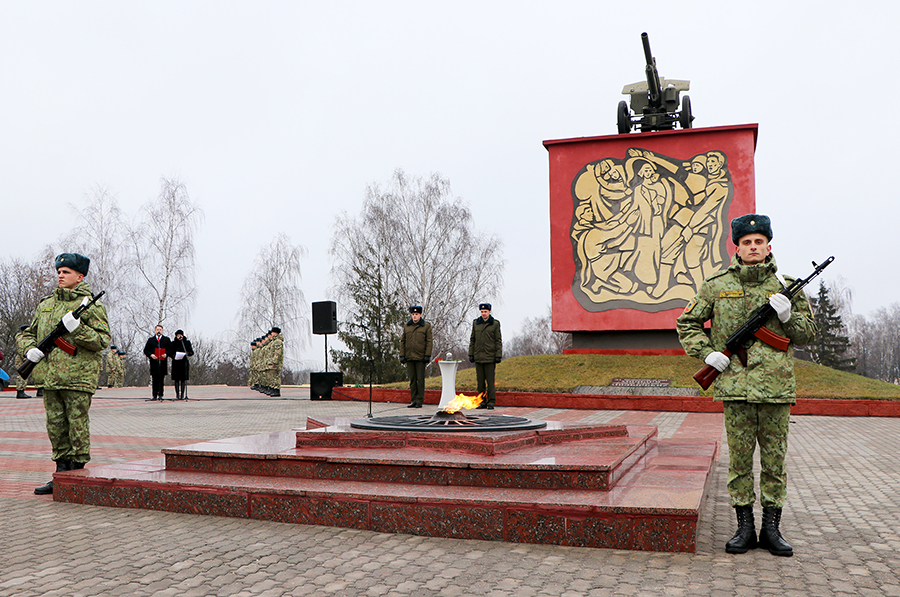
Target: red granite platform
[(569, 484), (832, 407)]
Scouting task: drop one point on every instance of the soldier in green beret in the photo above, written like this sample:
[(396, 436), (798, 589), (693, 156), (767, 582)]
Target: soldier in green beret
[(415, 352), (68, 380), (757, 397)]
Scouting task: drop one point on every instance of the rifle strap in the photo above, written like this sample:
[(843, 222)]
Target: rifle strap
[(782, 280)]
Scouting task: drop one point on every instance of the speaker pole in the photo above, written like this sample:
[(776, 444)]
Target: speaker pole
[(326, 353), (371, 371)]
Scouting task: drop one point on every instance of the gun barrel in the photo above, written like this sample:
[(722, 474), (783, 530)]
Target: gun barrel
[(648, 55), (653, 84)]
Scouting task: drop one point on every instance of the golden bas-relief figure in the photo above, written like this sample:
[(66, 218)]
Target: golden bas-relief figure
[(648, 229)]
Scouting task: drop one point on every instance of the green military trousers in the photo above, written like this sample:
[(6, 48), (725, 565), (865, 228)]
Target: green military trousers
[(746, 424), (416, 371), (484, 375), (68, 425)]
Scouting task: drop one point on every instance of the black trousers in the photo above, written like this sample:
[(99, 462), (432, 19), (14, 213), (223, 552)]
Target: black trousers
[(158, 384)]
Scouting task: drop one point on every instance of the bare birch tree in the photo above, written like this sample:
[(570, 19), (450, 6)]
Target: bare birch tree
[(24, 284), (103, 236), (271, 296), (537, 337), (432, 255), (162, 256)]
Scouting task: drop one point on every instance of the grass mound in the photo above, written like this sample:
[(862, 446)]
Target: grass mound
[(563, 373)]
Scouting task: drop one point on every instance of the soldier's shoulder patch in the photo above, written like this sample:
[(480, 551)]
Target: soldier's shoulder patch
[(690, 306), (731, 294)]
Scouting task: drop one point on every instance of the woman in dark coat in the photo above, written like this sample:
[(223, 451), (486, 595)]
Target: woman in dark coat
[(179, 351)]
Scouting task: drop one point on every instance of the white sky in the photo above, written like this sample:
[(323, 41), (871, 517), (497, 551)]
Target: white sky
[(278, 114)]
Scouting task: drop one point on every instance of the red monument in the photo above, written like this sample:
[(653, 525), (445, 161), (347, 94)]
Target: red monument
[(637, 221)]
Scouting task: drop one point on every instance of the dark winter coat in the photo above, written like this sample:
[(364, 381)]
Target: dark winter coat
[(486, 342), (416, 342), (157, 367), (181, 369)]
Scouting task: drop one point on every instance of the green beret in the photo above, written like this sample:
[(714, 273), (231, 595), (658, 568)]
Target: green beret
[(750, 224), (74, 261)]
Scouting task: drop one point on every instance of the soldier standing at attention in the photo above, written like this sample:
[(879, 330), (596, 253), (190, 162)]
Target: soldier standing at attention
[(252, 376), (21, 383), (486, 350), (111, 359), (69, 381), (415, 352), (118, 369), (757, 398), (276, 361)]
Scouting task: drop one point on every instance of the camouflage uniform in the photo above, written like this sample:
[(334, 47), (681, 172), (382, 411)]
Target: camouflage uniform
[(69, 381), (274, 363), (757, 397), (115, 364)]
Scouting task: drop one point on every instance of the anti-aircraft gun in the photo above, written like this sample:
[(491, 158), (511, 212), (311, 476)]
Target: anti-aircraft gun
[(654, 101)]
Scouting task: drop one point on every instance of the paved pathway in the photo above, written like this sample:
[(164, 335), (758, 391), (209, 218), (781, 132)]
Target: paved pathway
[(843, 519)]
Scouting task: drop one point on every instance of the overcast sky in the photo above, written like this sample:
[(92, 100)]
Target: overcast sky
[(278, 114)]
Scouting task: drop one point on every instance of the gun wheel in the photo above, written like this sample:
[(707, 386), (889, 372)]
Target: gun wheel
[(623, 118), (685, 118)]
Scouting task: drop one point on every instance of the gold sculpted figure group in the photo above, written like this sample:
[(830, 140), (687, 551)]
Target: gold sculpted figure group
[(648, 229)]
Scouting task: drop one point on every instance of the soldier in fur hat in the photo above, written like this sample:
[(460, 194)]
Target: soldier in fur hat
[(757, 397)]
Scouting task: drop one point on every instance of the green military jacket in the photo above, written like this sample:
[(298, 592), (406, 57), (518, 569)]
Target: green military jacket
[(728, 298), (416, 342), (486, 342), (59, 370)]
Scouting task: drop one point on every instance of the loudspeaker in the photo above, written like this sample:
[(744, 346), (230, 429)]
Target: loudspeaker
[(324, 317), (320, 384)]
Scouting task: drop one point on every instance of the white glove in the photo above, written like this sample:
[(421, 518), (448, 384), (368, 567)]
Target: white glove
[(782, 306), (71, 322), (717, 361), (34, 355)]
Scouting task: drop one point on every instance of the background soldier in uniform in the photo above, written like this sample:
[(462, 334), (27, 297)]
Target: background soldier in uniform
[(115, 362), (21, 383), (274, 361), (486, 350), (69, 381), (757, 397), (416, 343)]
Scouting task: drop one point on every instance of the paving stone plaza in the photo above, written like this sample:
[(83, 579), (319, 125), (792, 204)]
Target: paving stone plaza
[(842, 519)]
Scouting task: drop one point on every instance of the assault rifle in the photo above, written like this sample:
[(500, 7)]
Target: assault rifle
[(55, 338), (755, 328)]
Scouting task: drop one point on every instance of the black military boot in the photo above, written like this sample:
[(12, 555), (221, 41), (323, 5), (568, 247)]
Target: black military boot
[(47, 489), (745, 537), (770, 536), (22, 394)]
